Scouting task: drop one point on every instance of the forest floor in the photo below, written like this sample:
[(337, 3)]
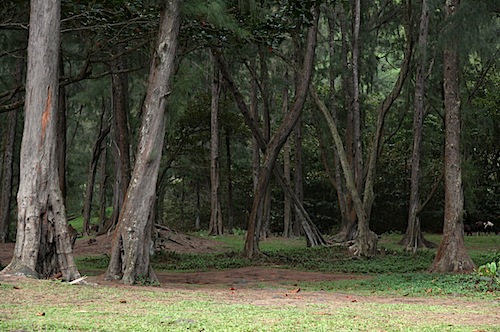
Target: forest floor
[(272, 286)]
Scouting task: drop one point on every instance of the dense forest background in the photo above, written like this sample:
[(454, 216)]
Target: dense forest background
[(106, 49)]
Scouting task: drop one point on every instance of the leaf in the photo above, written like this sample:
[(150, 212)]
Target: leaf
[(40, 313), (123, 301)]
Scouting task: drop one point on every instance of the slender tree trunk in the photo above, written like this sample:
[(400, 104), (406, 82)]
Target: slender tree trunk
[(266, 128), (451, 255), (43, 242), (98, 147), (120, 130), (298, 175), (337, 177), (215, 226), (348, 225), (414, 238), (287, 213), (7, 171), (279, 138), (130, 255), (230, 204)]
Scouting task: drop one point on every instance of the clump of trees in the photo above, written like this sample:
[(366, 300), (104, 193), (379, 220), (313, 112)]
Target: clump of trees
[(299, 118)]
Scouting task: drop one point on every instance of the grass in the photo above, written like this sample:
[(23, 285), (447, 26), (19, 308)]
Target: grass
[(60, 307), (424, 301)]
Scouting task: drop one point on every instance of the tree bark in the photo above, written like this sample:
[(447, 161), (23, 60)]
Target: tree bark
[(43, 242), (414, 238), (120, 130), (451, 255), (215, 226), (130, 255), (287, 209)]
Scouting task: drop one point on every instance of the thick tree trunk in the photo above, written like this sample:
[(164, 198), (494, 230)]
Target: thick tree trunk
[(130, 255), (451, 255), (215, 227), (43, 243), (414, 238)]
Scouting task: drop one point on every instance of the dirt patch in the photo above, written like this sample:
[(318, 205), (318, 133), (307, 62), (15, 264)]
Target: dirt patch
[(272, 285)]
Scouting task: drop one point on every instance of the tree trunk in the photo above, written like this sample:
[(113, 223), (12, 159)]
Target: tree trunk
[(451, 255), (279, 138), (120, 129), (6, 173), (215, 226), (130, 255), (336, 175), (287, 209), (43, 243), (298, 175), (413, 237), (98, 147), (230, 204)]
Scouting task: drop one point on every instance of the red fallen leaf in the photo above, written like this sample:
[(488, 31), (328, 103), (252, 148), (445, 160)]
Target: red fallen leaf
[(354, 301), (123, 301), (232, 288), (16, 287)]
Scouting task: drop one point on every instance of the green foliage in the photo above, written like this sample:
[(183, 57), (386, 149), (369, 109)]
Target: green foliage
[(490, 272), (408, 284)]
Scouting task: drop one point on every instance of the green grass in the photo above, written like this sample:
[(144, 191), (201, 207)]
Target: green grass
[(424, 301), (89, 308)]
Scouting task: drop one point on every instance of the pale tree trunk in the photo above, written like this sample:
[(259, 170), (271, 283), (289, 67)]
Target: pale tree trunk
[(43, 242), (6, 173), (130, 255), (414, 238), (451, 255), (215, 227), (279, 138)]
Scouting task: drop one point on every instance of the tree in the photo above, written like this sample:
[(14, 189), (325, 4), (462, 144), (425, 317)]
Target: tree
[(130, 255), (43, 244), (215, 227), (451, 255), (279, 138), (414, 238)]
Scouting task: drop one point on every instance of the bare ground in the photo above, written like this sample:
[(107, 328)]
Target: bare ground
[(266, 285)]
